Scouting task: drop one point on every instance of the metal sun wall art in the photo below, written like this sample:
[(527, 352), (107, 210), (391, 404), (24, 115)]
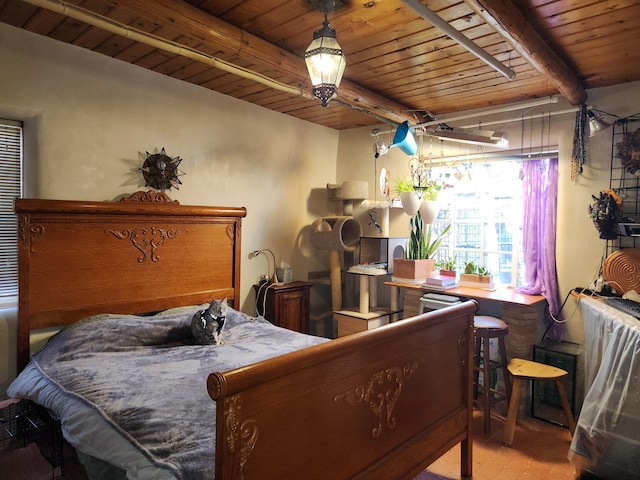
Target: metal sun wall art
[(160, 171)]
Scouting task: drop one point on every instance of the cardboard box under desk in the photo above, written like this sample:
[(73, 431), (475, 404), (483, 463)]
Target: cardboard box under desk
[(352, 321)]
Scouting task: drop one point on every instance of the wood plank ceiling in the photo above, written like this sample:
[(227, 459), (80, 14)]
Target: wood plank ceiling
[(398, 65)]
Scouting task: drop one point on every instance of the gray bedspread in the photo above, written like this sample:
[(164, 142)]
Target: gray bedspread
[(145, 377)]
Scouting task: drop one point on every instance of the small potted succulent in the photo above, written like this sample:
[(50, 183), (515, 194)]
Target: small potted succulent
[(475, 275), (448, 266)]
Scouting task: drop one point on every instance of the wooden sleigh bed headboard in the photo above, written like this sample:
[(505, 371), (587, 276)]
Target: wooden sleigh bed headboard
[(144, 253)]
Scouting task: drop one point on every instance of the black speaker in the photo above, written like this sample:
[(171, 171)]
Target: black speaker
[(545, 402)]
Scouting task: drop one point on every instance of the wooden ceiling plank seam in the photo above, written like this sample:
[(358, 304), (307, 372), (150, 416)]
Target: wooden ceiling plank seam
[(503, 14), (171, 65), (206, 76), (537, 10), (44, 24), (245, 15), (440, 71), (433, 59), (216, 7), (610, 21), (418, 31), (455, 90), (18, 12), (442, 106), (586, 13), (481, 34), (488, 77)]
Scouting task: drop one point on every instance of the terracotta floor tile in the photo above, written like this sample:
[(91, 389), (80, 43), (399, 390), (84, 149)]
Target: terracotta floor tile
[(539, 451)]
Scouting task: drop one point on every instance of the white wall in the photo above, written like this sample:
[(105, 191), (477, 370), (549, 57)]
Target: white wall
[(90, 119), (578, 248)]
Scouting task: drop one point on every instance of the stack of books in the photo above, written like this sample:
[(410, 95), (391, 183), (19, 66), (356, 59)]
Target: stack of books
[(440, 283)]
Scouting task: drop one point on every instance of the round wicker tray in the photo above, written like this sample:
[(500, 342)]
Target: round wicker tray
[(622, 270)]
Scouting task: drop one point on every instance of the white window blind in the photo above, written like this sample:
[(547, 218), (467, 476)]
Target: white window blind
[(10, 188)]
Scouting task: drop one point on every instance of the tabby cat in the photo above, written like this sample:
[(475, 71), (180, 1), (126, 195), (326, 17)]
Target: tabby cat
[(207, 324)]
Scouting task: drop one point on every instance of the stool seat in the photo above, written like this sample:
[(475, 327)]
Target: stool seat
[(519, 367), (485, 321), (524, 370), (486, 328)]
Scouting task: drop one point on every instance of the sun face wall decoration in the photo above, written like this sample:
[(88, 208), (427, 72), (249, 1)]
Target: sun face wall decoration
[(160, 171)]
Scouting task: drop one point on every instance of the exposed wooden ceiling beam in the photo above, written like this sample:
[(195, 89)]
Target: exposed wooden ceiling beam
[(509, 21), (211, 30)]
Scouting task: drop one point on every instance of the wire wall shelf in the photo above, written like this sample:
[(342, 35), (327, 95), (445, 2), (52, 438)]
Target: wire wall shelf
[(625, 178)]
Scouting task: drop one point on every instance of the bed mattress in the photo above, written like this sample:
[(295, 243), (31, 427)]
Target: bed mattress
[(131, 391)]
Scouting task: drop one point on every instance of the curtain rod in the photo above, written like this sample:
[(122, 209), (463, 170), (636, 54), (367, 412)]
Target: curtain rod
[(485, 157)]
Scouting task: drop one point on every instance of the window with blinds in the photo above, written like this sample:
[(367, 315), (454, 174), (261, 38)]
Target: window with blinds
[(10, 188)]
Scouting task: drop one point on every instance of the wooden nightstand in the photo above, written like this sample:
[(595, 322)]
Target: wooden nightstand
[(286, 305)]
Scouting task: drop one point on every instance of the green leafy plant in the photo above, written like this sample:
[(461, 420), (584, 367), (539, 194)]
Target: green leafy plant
[(470, 268), (429, 190), (483, 271), (448, 264), (402, 184), (426, 189), (424, 245)]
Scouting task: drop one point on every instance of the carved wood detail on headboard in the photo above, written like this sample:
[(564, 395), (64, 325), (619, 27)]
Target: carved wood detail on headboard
[(150, 196), (147, 239)]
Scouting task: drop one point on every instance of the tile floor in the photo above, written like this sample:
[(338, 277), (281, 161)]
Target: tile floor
[(539, 451)]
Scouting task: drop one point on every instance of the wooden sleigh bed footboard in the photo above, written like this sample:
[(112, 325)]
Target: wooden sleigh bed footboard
[(382, 404)]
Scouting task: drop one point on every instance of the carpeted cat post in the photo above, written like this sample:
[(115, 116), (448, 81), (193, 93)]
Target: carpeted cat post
[(336, 234)]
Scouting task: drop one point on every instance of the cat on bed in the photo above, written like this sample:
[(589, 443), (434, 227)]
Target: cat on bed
[(207, 324)]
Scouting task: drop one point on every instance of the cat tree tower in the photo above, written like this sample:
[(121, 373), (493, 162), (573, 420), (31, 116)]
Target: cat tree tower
[(339, 234)]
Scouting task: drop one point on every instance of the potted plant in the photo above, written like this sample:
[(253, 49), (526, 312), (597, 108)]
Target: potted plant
[(418, 194), (484, 274), (475, 275), (403, 188), (448, 266), (422, 246), (470, 273), (429, 206)]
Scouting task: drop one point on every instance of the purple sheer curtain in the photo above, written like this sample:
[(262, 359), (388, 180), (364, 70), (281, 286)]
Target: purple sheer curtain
[(540, 198)]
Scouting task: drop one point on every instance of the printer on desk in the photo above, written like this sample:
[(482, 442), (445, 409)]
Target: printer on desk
[(435, 301)]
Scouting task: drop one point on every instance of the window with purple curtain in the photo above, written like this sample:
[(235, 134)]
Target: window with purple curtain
[(540, 199)]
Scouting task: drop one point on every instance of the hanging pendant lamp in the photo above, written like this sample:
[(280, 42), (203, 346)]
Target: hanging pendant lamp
[(325, 62)]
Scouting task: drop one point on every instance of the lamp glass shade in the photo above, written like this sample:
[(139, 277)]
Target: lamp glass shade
[(325, 63), (596, 123)]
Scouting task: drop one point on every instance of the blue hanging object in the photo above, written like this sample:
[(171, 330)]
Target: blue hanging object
[(404, 139)]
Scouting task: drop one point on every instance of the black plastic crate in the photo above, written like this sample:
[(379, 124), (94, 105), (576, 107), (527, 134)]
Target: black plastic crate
[(24, 422), (545, 404)]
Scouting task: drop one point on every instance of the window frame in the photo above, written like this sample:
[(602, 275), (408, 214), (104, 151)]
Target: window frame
[(11, 187), (481, 251)]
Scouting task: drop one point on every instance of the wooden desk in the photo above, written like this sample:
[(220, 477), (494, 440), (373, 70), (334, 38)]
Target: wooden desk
[(522, 313)]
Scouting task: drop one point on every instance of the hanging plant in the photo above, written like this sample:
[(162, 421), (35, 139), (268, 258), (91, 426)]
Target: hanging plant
[(606, 213)]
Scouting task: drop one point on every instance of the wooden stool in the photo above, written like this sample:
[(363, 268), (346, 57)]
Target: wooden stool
[(486, 328), (528, 370)]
